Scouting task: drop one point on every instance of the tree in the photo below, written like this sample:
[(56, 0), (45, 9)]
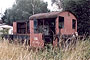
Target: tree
[(81, 9), (23, 9)]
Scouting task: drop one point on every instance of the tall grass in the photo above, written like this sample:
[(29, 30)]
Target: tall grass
[(10, 51)]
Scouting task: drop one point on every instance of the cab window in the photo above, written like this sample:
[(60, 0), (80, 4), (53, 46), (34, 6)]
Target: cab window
[(73, 23), (61, 22)]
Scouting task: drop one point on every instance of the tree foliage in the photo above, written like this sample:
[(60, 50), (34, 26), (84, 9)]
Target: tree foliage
[(81, 9), (22, 9)]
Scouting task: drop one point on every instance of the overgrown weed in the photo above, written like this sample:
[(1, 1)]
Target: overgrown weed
[(10, 51)]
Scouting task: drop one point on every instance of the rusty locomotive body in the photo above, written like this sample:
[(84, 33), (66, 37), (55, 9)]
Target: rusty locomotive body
[(45, 28)]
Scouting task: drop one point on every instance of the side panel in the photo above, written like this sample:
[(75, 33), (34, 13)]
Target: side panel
[(35, 39), (14, 27), (68, 30)]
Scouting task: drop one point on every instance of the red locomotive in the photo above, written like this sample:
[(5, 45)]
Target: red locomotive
[(44, 28)]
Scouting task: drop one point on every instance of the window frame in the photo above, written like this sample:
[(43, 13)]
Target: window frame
[(61, 25), (73, 24), (35, 26)]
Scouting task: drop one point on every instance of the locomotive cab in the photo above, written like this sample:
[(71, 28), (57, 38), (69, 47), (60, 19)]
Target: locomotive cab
[(45, 28)]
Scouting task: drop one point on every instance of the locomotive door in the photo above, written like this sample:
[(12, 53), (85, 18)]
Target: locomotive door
[(48, 31)]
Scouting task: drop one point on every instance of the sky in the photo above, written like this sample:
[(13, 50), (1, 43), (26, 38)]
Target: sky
[(4, 4), (51, 7)]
